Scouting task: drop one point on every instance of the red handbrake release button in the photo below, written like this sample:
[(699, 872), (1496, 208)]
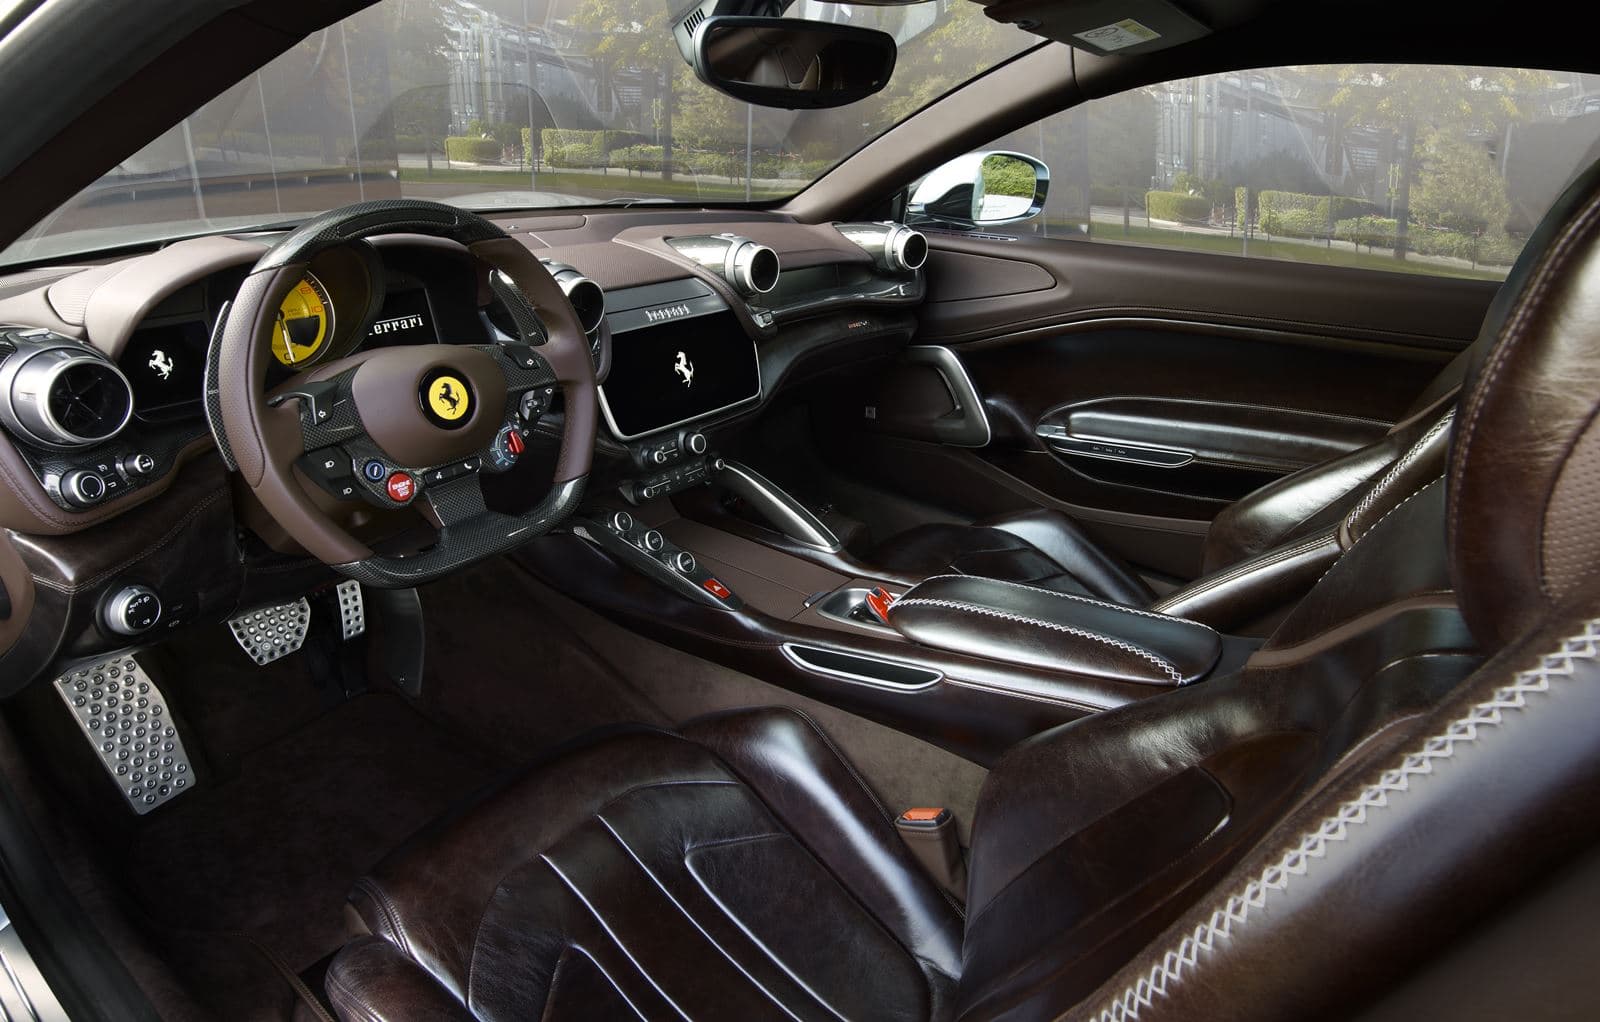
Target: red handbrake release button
[(717, 589), (879, 601), (402, 487)]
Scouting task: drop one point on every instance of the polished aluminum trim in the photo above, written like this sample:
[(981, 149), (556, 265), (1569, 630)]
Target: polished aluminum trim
[(795, 652), (17, 378), (1107, 449), (24, 992), (791, 517), (742, 267), (973, 430)]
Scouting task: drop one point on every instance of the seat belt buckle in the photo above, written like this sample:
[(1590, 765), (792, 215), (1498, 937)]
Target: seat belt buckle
[(930, 835), (879, 601)]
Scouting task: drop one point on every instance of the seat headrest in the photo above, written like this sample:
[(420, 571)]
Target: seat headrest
[(1524, 487)]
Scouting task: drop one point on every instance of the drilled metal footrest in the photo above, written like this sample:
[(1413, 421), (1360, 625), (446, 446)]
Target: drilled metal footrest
[(125, 717), (268, 633), (352, 609)]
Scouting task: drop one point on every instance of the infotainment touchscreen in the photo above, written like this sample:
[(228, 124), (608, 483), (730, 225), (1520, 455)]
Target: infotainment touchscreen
[(669, 373)]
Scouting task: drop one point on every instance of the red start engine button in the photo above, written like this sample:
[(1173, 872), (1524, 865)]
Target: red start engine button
[(717, 589), (402, 487)]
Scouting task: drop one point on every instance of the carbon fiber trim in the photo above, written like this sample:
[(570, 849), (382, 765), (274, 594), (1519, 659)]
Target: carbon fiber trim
[(468, 539), (214, 388), (529, 327), (379, 216)]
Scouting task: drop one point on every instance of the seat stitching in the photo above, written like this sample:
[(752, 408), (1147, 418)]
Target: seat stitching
[(1164, 665), (1374, 526), (845, 762), (1400, 466), (391, 915), (1170, 969), (1241, 569), (1051, 592)]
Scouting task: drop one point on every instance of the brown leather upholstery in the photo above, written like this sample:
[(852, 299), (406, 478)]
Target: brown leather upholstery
[(1289, 841), (1042, 548)]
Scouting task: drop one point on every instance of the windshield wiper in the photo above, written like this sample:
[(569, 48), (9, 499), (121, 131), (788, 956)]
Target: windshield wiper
[(636, 200)]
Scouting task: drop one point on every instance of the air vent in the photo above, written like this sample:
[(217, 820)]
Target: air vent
[(88, 401), (58, 393)]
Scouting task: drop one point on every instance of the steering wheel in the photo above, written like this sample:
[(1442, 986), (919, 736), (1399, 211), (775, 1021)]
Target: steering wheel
[(406, 425)]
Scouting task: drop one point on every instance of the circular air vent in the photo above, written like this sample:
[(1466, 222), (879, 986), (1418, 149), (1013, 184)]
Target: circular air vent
[(64, 396), (588, 301), (87, 401), (755, 268), (908, 249)]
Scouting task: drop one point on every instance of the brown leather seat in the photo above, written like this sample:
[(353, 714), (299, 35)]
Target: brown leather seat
[(1047, 549), (1405, 758)]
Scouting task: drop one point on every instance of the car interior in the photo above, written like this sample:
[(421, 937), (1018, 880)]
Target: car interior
[(633, 509)]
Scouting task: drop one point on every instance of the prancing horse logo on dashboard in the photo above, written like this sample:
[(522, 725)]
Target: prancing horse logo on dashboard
[(685, 369), (161, 363)]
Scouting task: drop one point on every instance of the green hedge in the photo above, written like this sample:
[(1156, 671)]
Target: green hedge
[(1005, 176), (1176, 206), (1298, 215), (468, 149), (576, 147), (638, 157), (1379, 232)]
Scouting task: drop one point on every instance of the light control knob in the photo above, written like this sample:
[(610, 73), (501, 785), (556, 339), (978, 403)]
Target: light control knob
[(684, 561), (654, 541), (83, 488), (136, 466), (133, 610), (660, 455)]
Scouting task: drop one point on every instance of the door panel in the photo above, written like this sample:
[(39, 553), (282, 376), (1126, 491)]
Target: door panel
[(1199, 377)]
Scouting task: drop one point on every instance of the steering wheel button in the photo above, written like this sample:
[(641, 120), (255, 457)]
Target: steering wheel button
[(375, 470), (401, 487)]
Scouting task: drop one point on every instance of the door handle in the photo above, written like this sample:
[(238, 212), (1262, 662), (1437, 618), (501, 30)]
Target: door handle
[(1062, 442)]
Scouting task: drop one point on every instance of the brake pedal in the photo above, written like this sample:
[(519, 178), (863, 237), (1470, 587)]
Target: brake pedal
[(125, 717), (271, 633), (352, 609)]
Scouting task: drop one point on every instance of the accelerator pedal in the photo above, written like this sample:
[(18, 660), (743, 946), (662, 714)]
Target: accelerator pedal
[(125, 717), (271, 633), (352, 609)]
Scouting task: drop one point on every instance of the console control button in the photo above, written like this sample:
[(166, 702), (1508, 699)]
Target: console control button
[(83, 488), (654, 541), (132, 610), (716, 589), (622, 522), (136, 466), (401, 487), (684, 561)]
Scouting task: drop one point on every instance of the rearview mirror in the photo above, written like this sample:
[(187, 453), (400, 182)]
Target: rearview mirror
[(793, 64), (981, 189)]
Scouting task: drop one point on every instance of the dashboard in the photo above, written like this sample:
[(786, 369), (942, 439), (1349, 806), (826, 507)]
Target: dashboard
[(108, 387)]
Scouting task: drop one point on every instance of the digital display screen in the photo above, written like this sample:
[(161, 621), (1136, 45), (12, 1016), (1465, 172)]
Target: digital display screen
[(167, 367), (406, 319), (672, 372)]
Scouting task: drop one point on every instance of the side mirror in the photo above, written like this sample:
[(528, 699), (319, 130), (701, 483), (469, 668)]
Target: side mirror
[(793, 64), (980, 190)]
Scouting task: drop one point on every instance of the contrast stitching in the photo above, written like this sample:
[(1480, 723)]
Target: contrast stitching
[(1511, 334), (1247, 567), (1374, 526), (1163, 665), (1049, 592), (1400, 466), (1170, 970)]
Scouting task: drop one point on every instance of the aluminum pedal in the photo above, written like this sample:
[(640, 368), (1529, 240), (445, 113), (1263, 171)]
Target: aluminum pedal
[(352, 609), (125, 717), (270, 633)]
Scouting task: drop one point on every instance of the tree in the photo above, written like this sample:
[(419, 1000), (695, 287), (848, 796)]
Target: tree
[(623, 41), (1458, 187), (1409, 100)]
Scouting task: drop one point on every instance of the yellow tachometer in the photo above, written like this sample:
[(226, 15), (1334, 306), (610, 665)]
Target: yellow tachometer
[(305, 324)]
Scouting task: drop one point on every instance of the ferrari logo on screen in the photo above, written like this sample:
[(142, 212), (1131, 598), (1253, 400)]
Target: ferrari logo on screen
[(448, 398), (685, 369)]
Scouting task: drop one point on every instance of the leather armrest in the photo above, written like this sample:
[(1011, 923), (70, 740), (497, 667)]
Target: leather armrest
[(1042, 628)]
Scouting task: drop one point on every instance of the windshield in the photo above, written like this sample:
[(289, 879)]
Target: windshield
[(501, 104)]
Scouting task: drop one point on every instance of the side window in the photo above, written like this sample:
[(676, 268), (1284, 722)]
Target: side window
[(1413, 168)]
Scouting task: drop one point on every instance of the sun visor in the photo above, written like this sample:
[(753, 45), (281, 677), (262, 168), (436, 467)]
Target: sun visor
[(1104, 27)]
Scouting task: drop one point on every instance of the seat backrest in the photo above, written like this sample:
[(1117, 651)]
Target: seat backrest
[(1411, 750)]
